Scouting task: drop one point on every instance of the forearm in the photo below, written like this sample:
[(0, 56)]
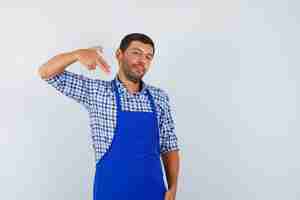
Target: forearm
[(57, 64), (171, 165)]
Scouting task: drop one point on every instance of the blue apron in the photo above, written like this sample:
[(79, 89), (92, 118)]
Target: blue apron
[(131, 168)]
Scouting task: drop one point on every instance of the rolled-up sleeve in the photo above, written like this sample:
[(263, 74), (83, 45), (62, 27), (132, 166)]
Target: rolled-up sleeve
[(169, 140), (77, 87)]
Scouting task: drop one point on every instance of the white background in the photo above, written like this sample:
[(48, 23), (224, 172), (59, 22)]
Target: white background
[(231, 70)]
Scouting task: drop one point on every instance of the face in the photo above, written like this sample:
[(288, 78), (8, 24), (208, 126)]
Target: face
[(135, 61)]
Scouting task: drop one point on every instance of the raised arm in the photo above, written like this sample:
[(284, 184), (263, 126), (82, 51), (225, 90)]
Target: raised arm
[(78, 87), (57, 64)]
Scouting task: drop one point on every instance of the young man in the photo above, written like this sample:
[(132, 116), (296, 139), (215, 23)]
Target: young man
[(131, 122)]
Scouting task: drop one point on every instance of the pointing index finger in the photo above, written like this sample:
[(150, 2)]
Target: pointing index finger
[(103, 65)]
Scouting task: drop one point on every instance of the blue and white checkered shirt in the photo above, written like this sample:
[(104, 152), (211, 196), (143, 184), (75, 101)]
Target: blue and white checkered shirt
[(97, 96)]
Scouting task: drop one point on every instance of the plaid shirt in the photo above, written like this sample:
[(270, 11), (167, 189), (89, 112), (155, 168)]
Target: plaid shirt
[(97, 96)]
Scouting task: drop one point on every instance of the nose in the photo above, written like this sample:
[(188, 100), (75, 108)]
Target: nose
[(142, 61)]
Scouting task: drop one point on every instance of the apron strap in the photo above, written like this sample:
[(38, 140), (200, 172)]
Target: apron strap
[(118, 100), (151, 101)]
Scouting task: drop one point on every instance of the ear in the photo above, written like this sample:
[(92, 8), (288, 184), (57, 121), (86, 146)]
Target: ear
[(119, 54)]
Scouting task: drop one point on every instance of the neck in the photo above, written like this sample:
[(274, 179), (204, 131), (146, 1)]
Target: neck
[(132, 87)]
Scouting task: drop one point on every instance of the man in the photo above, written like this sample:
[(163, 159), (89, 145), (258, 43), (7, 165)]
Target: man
[(131, 122)]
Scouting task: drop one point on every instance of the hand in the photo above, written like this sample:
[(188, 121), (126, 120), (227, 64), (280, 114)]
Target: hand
[(169, 195), (92, 57)]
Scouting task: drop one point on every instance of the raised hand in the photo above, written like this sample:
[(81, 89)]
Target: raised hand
[(91, 57)]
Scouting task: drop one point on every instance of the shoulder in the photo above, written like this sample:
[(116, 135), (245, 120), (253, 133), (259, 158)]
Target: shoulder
[(158, 92), (102, 86), (160, 95), (97, 85)]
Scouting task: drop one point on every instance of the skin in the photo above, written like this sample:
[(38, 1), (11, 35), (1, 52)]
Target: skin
[(134, 63)]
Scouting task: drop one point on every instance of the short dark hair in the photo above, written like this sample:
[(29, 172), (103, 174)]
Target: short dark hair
[(125, 42)]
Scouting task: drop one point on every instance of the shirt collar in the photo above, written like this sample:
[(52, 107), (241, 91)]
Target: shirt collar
[(123, 89)]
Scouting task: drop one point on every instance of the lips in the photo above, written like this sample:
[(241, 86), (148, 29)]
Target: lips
[(140, 69)]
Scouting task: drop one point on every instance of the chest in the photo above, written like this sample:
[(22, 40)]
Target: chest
[(105, 107)]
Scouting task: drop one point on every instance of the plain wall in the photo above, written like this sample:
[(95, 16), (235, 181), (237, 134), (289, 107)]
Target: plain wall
[(230, 68)]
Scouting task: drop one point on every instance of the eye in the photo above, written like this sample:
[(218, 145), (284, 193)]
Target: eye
[(135, 52), (149, 58)]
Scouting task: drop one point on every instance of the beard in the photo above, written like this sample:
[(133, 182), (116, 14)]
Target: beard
[(134, 73)]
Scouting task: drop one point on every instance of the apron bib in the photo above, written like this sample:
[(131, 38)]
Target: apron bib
[(131, 168)]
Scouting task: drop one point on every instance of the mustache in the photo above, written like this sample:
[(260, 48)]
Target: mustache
[(140, 67)]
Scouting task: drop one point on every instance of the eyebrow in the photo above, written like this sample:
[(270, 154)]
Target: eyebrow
[(135, 48)]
